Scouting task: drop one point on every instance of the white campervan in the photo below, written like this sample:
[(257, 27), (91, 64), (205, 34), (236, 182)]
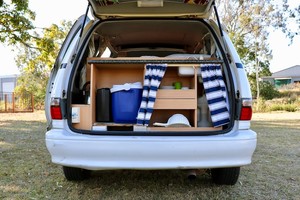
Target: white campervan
[(149, 85)]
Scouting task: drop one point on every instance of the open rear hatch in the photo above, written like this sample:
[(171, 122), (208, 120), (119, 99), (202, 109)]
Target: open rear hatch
[(118, 101), (103, 9)]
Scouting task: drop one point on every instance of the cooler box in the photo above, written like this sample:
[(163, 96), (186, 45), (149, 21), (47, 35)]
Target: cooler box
[(126, 101)]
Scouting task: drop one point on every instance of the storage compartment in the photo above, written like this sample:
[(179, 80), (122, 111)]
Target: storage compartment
[(171, 77), (108, 75), (162, 116)]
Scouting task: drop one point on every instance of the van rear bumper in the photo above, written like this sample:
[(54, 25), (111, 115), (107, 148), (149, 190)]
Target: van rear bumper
[(150, 152)]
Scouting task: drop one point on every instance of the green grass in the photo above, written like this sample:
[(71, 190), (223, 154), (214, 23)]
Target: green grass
[(26, 171)]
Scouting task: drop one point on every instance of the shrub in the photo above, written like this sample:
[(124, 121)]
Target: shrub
[(259, 105), (283, 107), (290, 87), (275, 105), (268, 91)]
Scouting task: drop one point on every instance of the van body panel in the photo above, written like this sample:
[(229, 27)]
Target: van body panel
[(150, 152), (54, 87)]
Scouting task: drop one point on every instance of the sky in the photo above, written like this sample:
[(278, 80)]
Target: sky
[(54, 11)]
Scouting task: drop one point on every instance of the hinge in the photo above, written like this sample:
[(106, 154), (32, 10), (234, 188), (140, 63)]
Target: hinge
[(238, 105), (73, 57), (64, 94), (63, 107), (229, 58)]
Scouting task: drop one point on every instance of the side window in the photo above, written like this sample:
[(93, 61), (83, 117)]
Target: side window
[(70, 48), (106, 53)]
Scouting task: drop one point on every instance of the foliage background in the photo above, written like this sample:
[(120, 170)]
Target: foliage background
[(36, 63), (248, 23)]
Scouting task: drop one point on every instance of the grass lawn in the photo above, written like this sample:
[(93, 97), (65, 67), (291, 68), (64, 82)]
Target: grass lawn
[(26, 171)]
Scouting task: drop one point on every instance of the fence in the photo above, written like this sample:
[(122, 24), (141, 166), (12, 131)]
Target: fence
[(9, 102)]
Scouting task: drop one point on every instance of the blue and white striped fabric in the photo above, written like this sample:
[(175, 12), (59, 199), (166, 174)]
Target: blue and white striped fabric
[(216, 94), (153, 76)]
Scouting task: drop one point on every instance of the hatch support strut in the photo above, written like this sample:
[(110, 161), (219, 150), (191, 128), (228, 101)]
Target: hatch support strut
[(85, 16), (218, 19), (224, 42), (221, 30), (81, 32)]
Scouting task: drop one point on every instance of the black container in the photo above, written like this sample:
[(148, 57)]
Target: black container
[(103, 105)]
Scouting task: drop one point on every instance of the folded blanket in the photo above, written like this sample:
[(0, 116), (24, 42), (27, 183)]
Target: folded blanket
[(216, 93), (153, 76)]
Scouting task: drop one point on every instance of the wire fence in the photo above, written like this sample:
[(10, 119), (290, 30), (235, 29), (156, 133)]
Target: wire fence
[(10, 102)]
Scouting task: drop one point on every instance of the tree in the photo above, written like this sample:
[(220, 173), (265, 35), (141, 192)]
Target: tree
[(15, 22), (264, 71), (249, 24), (36, 60)]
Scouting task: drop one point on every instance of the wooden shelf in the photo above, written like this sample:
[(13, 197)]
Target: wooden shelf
[(143, 128), (156, 60), (176, 129)]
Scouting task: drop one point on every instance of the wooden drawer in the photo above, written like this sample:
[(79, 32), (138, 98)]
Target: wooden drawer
[(176, 94), (175, 104), (176, 99)]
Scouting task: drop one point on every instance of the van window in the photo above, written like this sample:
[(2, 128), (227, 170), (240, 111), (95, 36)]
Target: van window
[(106, 53), (70, 49)]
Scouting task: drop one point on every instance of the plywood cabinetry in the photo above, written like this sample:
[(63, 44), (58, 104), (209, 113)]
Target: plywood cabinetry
[(105, 74), (83, 113)]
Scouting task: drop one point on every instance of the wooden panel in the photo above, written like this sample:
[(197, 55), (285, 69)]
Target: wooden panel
[(88, 72), (176, 94), (175, 104), (93, 90), (85, 117)]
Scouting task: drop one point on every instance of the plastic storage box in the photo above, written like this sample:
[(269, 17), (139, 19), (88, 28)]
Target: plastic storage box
[(126, 100)]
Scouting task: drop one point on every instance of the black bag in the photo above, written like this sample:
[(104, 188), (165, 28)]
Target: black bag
[(82, 96)]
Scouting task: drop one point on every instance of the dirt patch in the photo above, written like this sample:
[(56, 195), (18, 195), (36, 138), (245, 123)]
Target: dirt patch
[(29, 116)]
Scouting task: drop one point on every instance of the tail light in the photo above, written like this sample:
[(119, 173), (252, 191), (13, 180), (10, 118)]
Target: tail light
[(246, 109), (55, 109)]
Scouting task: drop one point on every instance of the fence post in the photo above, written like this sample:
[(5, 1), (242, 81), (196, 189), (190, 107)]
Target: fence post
[(13, 101), (5, 102), (32, 102)]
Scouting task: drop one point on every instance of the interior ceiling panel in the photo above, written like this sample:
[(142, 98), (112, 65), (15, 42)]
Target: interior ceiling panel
[(153, 32)]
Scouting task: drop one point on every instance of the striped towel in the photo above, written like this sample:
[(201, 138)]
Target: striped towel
[(216, 94), (153, 76)]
